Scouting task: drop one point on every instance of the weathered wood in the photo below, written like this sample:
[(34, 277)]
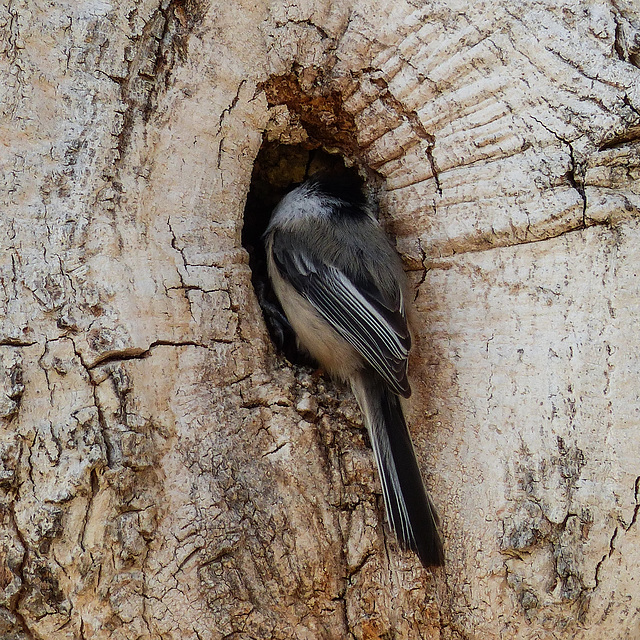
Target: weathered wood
[(164, 473)]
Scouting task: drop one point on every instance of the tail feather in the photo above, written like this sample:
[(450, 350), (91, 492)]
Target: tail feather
[(410, 511)]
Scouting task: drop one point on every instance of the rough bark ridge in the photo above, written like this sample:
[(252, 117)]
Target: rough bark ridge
[(163, 474)]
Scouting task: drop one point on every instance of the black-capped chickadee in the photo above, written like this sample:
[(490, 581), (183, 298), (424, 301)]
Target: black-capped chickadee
[(342, 288)]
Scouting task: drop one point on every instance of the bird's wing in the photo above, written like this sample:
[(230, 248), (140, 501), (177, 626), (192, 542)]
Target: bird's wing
[(374, 325)]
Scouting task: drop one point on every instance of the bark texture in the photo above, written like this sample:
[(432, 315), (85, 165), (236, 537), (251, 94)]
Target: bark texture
[(163, 473)]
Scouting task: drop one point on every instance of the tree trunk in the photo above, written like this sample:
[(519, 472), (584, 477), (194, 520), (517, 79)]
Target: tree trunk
[(164, 471)]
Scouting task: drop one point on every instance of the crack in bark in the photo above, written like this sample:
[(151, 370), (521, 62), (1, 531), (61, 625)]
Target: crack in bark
[(12, 51), (102, 421), (277, 448), (187, 558), (416, 125), (627, 101), (630, 135), (425, 270), (183, 285), (576, 174), (16, 342), (20, 572), (138, 353), (618, 40), (307, 23), (226, 111), (636, 510), (457, 250), (93, 477), (605, 557)]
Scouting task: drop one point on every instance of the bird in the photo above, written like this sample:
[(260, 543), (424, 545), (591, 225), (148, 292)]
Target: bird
[(342, 287)]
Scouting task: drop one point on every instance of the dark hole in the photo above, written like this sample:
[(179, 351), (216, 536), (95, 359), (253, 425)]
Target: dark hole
[(278, 168)]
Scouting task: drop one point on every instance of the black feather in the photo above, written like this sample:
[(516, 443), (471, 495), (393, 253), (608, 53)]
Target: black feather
[(343, 187), (410, 511)]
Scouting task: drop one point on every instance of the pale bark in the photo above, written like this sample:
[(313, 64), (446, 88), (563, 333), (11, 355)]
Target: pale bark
[(164, 473)]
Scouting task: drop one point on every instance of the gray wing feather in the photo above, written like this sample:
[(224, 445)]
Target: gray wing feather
[(376, 328)]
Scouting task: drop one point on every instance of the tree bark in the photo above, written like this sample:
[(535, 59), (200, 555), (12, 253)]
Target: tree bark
[(164, 472)]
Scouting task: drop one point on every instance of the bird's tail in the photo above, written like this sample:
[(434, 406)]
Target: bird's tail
[(409, 509)]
